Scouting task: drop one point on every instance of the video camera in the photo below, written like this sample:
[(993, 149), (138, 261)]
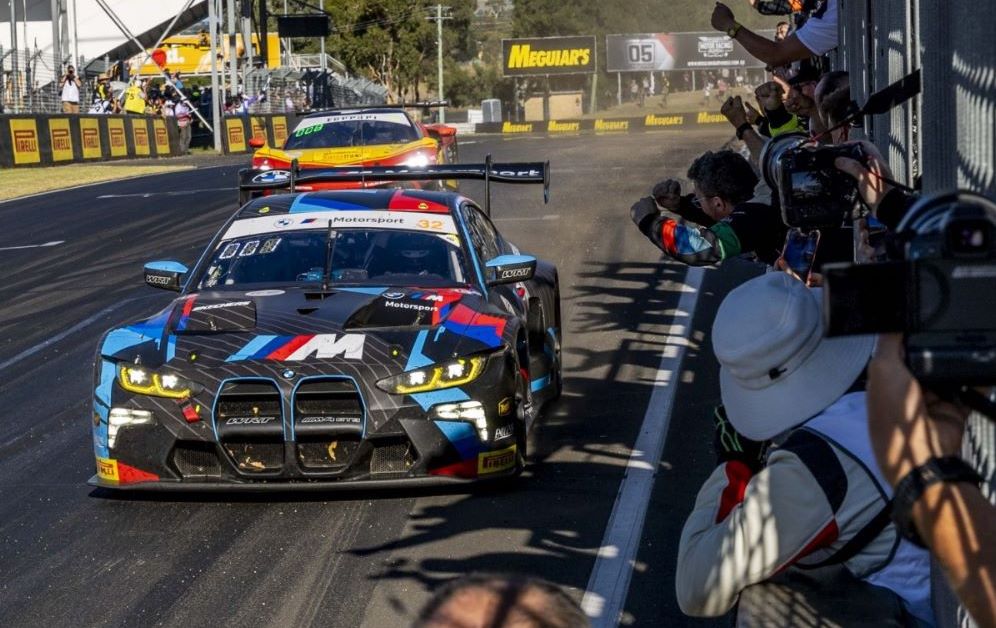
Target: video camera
[(938, 290), (812, 192)]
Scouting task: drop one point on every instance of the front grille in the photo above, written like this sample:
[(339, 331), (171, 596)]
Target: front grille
[(392, 457), (239, 399), (250, 425), (327, 454), (321, 405), (196, 460)]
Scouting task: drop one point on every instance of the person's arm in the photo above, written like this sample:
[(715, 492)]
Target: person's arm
[(681, 239), (908, 427), (744, 529), (773, 53)]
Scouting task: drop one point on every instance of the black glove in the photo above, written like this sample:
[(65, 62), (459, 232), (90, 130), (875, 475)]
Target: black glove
[(730, 445), (667, 193), (643, 211)]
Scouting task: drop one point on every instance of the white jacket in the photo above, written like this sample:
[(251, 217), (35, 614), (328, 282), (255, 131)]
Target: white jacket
[(745, 529)]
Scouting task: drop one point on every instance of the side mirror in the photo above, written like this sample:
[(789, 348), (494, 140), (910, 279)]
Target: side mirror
[(510, 269), (166, 275), (257, 142), (446, 131)]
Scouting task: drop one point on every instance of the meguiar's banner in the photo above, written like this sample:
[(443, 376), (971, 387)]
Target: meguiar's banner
[(655, 52), (545, 56)]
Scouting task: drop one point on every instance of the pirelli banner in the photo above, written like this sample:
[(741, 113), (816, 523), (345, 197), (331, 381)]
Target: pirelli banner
[(236, 131), (54, 139), (657, 52), (548, 56), (649, 122)]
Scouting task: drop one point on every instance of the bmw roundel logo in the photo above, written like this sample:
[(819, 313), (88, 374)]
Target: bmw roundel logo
[(271, 176), (283, 222), (288, 374), (393, 295)]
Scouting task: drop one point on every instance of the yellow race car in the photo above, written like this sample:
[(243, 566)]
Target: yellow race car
[(360, 136)]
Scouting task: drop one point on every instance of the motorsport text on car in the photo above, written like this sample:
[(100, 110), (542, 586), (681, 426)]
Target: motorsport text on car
[(336, 338)]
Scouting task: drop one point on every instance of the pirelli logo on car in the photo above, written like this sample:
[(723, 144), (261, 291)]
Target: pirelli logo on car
[(496, 461), (541, 56)]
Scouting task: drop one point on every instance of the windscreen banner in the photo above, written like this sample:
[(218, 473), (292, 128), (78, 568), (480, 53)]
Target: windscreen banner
[(548, 56), (658, 52)]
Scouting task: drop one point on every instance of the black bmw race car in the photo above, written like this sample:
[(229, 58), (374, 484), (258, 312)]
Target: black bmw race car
[(336, 338)]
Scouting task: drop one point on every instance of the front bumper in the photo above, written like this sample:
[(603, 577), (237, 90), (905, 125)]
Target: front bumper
[(408, 446)]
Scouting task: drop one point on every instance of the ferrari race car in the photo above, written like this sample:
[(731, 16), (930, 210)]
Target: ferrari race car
[(364, 136), (349, 338)]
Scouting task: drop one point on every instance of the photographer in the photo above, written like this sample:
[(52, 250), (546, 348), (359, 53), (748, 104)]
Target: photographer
[(815, 499), (887, 203), (817, 36), (911, 429), (717, 221), (70, 85)]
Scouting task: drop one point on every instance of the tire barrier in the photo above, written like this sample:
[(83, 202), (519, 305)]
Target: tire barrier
[(648, 122), (55, 139)]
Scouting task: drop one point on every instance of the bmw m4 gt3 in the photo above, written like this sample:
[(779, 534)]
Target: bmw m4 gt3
[(335, 338)]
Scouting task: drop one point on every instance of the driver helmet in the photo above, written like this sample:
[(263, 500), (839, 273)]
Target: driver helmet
[(420, 254)]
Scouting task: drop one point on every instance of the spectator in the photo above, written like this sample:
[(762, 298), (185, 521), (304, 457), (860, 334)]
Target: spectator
[(801, 98), (184, 117), (782, 31), (177, 81), (816, 498), (715, 223), (817, 36), (721, 87), (495, 601), (70, 85), (134, 99), (634, 90), (911, 429), (665, 89), (832, 96)]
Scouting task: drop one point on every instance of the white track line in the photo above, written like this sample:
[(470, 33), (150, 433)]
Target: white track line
[(63, 334), (605, 597), (31, 246), (167, 193)]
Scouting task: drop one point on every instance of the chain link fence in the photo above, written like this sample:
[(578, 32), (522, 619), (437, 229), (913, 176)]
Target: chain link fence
[(946, 137), (29, 82), (301, 90)]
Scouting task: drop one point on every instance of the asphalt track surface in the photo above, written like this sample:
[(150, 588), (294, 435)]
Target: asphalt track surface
[(72, 555)]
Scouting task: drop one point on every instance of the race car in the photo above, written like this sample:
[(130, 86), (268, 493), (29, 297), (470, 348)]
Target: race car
[(349, 338), (363, 136)]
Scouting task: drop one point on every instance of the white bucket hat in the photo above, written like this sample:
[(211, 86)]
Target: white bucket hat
[(776, 368)]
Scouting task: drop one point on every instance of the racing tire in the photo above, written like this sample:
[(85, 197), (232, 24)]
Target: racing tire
[(558, 336)]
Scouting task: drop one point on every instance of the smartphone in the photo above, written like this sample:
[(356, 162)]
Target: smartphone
[(799, 252)]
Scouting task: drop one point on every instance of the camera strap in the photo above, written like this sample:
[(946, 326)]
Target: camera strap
[(818, 456)]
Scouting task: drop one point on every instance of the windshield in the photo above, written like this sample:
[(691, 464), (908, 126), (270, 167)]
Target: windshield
[(352, 130), (359, 257)]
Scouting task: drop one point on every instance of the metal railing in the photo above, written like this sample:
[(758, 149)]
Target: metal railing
[(300, 90)]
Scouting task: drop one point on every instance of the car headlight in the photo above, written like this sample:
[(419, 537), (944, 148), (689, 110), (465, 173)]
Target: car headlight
[(446, 375), (143, 381), (418, 160)]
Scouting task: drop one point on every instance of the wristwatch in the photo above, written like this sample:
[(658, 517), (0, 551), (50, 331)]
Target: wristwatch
[(743, 128), (912, 487), (733, 30)]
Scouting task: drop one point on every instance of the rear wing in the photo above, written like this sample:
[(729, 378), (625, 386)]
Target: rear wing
[(254, 180)]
